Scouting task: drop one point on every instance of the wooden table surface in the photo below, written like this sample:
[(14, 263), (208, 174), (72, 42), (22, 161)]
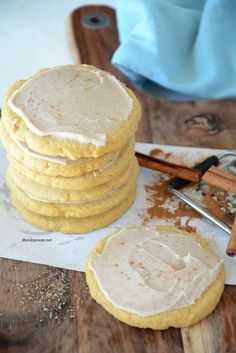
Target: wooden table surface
[(46, 309)]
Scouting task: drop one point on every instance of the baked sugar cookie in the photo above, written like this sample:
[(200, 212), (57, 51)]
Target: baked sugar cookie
[(52, 194), (71, 111), (57, 166), (81, 182), (155, 277), (78, 209), (72, 224)]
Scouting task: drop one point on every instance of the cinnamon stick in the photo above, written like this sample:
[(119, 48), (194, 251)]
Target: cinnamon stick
[(221, 179), (231, 247), (176, 170)]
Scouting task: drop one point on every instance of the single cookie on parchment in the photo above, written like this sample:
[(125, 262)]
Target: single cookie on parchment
[(155, 277)]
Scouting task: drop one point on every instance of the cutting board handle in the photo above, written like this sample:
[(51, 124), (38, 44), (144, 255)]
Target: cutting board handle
[(93, 36)]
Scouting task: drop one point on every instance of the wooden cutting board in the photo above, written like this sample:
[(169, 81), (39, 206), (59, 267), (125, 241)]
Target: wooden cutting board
[(49, 310), (93, 39)]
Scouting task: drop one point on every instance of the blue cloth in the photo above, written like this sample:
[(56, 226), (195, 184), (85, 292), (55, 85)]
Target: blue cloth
[(178, 48)]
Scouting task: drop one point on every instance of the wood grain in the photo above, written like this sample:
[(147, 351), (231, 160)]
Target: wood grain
[(49, 310), (189, 123)]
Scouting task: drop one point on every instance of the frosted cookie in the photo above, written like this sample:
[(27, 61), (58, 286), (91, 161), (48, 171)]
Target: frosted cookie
[(78, 209), (82, 182), (155, 277), (71, 111), (52, 165), (75, 225), (59, 195)]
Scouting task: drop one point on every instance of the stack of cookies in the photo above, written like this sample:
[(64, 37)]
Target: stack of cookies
[(69, 135)]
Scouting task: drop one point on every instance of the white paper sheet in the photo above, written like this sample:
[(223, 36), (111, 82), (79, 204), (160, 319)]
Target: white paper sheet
[(21, 241)]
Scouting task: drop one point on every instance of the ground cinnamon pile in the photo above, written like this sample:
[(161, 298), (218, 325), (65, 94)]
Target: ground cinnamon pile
[(166, 206)]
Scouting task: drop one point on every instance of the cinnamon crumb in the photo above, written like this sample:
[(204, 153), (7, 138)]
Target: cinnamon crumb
[(155, 152), (159, 197)]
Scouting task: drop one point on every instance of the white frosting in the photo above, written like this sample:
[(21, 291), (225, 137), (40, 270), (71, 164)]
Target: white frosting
[(58, 160), (25, 148), (109, 163), (147, 272), (72, 102)]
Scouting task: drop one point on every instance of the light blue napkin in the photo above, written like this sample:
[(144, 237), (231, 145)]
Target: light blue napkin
[(178, 48)]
